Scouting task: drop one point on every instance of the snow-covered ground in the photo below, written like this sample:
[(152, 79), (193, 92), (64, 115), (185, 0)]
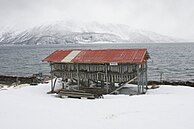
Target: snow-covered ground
[(29, 107)]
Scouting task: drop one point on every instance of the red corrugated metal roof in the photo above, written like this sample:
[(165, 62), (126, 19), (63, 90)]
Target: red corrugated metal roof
[(98, 56), (57, 56)]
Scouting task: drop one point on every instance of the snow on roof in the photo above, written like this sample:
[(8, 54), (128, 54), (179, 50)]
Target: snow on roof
[(99, 56)]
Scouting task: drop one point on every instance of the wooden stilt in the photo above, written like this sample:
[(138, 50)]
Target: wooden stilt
[(54, 84), (146, 76), (52, 89), (106, 74), (78, 79), (138, 80)]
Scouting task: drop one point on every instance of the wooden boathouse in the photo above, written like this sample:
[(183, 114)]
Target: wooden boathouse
[(100, 68)]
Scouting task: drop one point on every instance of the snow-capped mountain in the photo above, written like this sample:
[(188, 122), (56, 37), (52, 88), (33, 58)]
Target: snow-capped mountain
[(71, 32)]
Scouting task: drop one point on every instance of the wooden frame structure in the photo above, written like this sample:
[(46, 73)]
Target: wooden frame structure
[(98, 69)]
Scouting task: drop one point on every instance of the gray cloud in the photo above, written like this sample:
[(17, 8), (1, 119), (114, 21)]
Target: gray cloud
[(170, 17)]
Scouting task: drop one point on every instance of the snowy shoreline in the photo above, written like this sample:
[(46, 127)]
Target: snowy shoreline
[(11, 80)]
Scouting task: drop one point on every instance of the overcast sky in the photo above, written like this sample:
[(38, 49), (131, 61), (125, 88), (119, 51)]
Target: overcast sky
[(169, 17)]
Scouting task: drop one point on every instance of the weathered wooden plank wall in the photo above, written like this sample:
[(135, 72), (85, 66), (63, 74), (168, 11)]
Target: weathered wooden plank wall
[(84, 73), (117, 73)]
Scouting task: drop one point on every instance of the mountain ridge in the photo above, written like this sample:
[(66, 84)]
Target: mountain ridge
[(75, 33)]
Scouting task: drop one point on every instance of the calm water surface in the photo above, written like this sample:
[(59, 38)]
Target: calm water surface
[(176, 61)]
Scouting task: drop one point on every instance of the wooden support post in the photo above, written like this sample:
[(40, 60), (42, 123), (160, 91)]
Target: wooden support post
[(106, 74), (138, 80), (52, 89), (54, 84), (142, 78), (146, 75), (78, 83)]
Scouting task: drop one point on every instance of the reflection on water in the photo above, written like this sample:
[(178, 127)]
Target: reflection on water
[(176, 61)]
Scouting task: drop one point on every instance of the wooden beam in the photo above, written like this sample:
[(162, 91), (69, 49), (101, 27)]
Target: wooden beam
[(124, 85)]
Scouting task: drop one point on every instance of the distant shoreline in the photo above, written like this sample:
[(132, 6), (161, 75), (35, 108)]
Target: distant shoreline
[(10, 80), (16, 80)]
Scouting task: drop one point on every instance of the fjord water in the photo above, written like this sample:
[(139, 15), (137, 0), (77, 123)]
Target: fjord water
[(175, 60)]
